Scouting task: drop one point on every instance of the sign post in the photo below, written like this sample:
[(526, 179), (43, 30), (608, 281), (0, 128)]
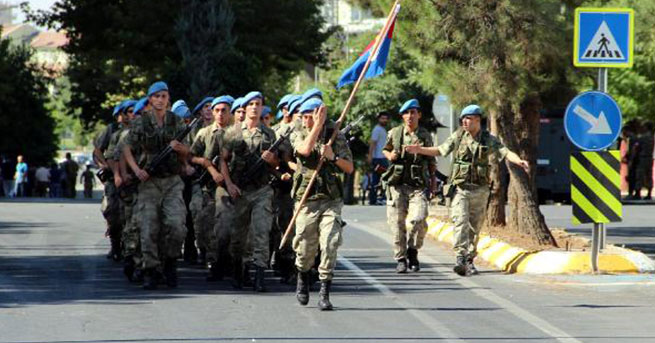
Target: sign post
[(603, 39)]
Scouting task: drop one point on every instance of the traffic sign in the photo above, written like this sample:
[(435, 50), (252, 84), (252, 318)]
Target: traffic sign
[(603, 37), (595, 187), (592, 121)]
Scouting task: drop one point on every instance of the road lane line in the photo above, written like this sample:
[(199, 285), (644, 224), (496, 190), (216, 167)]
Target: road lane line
[(431, 323), (509, 306)]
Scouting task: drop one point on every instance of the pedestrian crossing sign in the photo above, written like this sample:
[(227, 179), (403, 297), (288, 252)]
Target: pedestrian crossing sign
[(603, 37)]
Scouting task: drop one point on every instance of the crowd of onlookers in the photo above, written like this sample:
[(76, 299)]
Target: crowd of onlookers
[(638, 140), (58, 180)]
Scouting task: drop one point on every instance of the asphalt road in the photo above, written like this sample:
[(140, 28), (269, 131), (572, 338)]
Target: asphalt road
[(56, 286)]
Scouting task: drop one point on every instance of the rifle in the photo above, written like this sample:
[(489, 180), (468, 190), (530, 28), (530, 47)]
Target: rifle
[(346, 130), (104, 174), (161, 157), (250, 173), (205, 177)]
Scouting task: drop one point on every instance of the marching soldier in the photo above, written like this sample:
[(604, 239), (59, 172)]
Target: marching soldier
[(243, 144), (469, 178), (406, 181), (110, 206), (239, 110), (206, 151), (160, 204), (127, 192), (319, 223)]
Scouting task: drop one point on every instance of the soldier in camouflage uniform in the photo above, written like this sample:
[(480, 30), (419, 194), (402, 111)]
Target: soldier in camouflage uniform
[(407, 179), (319, 223), (473, 148), (128, 194), (206, 153), (192, 243), (110, 206), (243, 144), (160, 204)]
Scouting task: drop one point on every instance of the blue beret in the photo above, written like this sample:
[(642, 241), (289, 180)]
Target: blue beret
[(140, 105), (201, 104), (181, 109), (236, 104), (223, 99), (266, 110), (279, 115), (250, 97), (294, 104), (471, 110), (128, 103), (284, 101), (157, 87), (310, 105), (408, 105), (311, 93), (116, 110)]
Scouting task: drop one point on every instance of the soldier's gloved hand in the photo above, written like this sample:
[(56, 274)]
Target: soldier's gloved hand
[(394, 156), (142, 175), (118, 181), (234, 191), (327, 152)]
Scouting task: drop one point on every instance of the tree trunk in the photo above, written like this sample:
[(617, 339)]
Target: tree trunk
[(520, 133), (497, 198)]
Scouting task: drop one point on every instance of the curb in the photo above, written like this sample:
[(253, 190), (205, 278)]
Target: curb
[(516, 260)]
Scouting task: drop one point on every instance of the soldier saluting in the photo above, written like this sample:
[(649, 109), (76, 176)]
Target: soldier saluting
[(469, 179)]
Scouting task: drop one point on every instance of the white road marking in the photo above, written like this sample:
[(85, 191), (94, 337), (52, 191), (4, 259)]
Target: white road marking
[(436, 326), (509, 306)]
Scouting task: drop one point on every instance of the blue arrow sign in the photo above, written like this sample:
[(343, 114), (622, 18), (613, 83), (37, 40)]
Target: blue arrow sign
[(603, 37), (593, 121)]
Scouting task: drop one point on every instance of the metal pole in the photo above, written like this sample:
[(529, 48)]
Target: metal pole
[(595, 247), (602, 86)]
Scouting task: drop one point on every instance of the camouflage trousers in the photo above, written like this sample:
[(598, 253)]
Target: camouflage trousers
[(318, 225), (467, 211), (253, 215), (161, 216), (195, 207), (112, 211), (404, 201), (204, 223), (130, 238), (223, 224)]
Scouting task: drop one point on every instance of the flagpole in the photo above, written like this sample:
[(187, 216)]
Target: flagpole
[(342, 117)]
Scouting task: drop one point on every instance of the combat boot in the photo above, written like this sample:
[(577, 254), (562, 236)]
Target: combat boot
[(237, 273), (247, 280), (115, 251), (259, 279), (128, 268), (302, 288), (460, 266), (324, 296), (149, 279), (401, 267), (214, 273), (412, 256), (170, 272), (470, 267)]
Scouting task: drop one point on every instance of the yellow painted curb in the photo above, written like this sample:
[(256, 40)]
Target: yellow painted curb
[(516, 260)]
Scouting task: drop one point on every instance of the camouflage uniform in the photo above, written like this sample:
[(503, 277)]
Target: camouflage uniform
[(407, 180), (470, 176), (160, 205), (319, 223), (130, 237), (252, 211), (207, 145), (87, 177), (110, 206)]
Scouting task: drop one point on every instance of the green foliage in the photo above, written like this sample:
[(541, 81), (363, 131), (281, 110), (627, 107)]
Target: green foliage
[(26, 128), (117, 48)]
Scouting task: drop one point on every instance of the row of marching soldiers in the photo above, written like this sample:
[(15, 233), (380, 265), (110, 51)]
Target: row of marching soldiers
[(240, 179)]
